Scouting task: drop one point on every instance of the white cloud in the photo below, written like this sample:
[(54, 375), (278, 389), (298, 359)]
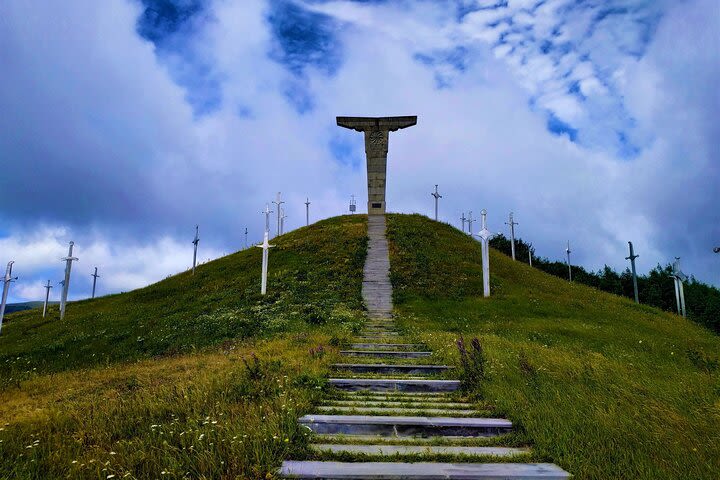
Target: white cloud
[(38, 253), (95, 106)]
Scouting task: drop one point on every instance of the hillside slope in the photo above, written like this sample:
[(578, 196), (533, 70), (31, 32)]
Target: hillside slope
[(192, 377), (602, 386), (315, 272), (201, 377)]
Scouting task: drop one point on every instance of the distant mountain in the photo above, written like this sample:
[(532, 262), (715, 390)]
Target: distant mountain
[(18, 307)]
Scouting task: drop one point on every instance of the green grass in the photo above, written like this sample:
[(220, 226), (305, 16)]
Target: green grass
[(162, 382), (602, 386), (162, 379), (314, 276)]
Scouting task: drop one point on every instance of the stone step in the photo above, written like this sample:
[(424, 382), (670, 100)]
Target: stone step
[(387, 346), (409, 411), (384, 353), (446, 440), (384, 368), (417, 404), (366, 396), (421, 471), (375, 339), (399, 395), (402, 426), (394, 384), (420, 450)]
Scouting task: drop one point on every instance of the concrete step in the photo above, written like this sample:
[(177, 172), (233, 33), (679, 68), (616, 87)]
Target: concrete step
[(383, 368), (417, 404), (446, 440), (375, 338), (406, 426), (421, 471), (420, 450), (384, 354), (388, 346), (397, 411), (394, 384), (401, 394)]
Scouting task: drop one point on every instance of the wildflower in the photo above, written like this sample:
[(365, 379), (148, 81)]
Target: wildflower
[(113, 453), (74, 461), (112, 475)]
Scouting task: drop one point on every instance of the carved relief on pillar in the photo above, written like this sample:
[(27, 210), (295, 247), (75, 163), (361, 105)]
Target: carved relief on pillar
[(376, 143)]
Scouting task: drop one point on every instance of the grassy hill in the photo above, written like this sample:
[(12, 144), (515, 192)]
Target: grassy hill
[(192, 377), (602, 386), (315, 274), (201, 377)]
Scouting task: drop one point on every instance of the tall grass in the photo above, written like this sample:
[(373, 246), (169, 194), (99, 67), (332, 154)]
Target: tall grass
[(315, 274), (219, 415), (192, 377), (602, 386)]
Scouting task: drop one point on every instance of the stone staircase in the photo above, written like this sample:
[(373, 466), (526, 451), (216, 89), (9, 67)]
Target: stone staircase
[(395, 415)]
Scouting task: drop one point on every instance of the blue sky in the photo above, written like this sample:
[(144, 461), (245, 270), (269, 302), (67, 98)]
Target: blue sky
[(127, 122)]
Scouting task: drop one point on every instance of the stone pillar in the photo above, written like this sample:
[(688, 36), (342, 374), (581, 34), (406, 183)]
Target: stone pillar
[(377, 130)]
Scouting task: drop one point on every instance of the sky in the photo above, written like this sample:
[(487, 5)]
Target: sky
[(125, 123)]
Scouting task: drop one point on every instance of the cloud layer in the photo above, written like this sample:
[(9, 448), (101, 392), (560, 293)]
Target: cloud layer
[(127, 123)]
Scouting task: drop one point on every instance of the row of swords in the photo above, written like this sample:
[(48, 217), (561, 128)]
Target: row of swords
[(678, 276)]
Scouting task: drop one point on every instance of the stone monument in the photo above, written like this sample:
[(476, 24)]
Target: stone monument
[(377, 130)]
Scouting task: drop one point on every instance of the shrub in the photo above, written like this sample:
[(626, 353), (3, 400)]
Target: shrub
[(473, 363)]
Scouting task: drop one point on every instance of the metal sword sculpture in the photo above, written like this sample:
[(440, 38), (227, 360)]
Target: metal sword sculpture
[(485, 235), (95, 277), (632, 258), (195, 242), (307, 211), (267, 213), (47, 297), (462, 219), (6, 287), (353, 206), (567, 251), (437, 196), (512, 224), (679, 277), (266, 248), (376, 130), (530, 256), (470, 222), (282, 220), (66, 282), (278, 202), (246, 237)]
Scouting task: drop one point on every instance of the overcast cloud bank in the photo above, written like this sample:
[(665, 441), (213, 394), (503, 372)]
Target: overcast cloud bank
[(126, 123)]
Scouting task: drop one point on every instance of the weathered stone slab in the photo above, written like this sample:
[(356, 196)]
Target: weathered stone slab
[(403, 426), (420, 450), (384, 353), (411, 403), (387, 346), (383, 368), (394, 384), (402, 410), (422, 471)]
